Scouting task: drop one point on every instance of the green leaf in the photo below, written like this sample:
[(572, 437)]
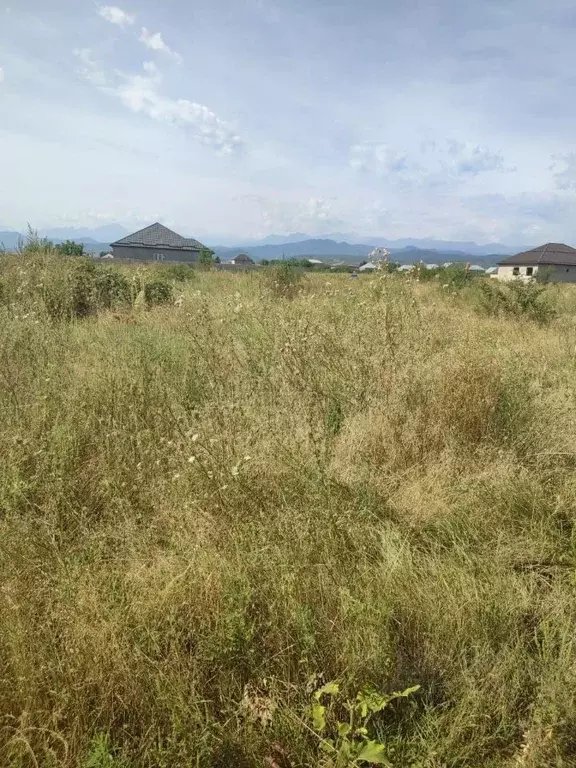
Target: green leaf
[(345, 754), (344, 729), (369, 700), (327, 746), (373, 752), (318, 717), (410, 691), (405, 693), (330, 689)]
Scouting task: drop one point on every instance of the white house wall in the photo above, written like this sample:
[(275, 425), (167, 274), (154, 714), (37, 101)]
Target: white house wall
[(557, 274)]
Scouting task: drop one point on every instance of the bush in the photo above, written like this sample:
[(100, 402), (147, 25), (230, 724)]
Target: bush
[(63, 288), (180, 273), (157, 293), (284, 280), (70, 248), (456, 276), (69, 288), (112, 288), (82, 288), (544, 275), (516, 297), (425, 275), (206, 259)]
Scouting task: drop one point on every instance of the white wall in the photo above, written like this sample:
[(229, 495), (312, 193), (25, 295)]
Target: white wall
[(507, 273), (557, 274)]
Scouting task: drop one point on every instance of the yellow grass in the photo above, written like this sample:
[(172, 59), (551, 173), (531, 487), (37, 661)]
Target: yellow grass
[(372, 480)]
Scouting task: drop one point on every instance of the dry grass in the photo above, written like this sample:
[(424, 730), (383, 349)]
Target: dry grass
[(370, 480)]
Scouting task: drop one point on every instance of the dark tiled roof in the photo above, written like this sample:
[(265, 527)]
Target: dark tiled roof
[(551, 254), (159, 236)]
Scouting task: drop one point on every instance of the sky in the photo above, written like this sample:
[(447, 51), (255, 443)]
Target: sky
[(240, 118)]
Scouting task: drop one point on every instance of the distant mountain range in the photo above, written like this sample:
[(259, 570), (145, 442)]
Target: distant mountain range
[(10, 240), (347, 246), (330, 250), (107, 233), (462, 246)]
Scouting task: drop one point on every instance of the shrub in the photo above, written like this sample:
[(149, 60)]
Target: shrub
[(206, 259), (112, 288), (544, 275), (284, 280), (81, 288), (425, 275), (516, 297), (64, 288), (456, 276), (180, 273), (69, 288), (157, 293), (70, 248)]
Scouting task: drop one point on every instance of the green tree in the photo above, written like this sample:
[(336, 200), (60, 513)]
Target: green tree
[(70, 248), (206, 258)]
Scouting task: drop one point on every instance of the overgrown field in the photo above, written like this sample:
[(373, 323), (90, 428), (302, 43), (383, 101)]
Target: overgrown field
[(210, 509)]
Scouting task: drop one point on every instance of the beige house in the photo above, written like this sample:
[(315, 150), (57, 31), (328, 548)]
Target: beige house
[(556, 259)]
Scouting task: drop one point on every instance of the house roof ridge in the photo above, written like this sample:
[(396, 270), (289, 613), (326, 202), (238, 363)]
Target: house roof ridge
[(158, 236)]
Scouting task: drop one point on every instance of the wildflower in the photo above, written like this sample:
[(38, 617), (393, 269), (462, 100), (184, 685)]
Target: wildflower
[(191, 459)]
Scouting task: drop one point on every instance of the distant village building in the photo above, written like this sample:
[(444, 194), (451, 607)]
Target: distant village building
[(157, 243), (242, 260), (369, 267), (556, 259)]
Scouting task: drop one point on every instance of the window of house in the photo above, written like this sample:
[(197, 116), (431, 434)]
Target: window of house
[(529, 271), (516, 271), (159, 256)]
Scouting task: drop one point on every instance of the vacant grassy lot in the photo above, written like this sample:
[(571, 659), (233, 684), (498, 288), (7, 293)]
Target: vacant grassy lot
[(203, 506)]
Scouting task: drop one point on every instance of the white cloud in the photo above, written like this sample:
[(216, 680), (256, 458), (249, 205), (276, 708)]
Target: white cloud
[(116, 15), (89, 68), (141, 93), (1, 74), (155, 42), (375, 156), (313, 215), (564, 170), (430, 165), (466, 159)]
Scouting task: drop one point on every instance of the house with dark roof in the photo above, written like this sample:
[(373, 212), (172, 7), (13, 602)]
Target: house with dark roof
[(157, 243), (557, 259), (242, 260)]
